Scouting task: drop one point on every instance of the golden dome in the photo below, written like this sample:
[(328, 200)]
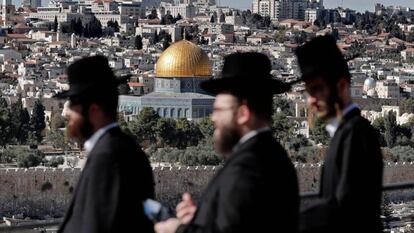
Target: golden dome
[(183, 59)]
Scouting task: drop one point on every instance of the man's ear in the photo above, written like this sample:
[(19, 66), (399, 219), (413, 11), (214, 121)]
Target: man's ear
[(243, 114), (93, 111)]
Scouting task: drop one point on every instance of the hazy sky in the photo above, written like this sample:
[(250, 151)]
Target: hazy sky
[(359, 5)]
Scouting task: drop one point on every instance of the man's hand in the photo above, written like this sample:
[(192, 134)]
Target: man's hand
[(186, 209), (167, 226)]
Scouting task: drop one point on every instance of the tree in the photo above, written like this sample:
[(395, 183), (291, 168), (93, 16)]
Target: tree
[(72, 26), (318, 132), (55, 162), (19, 122), (153, 14), (138, 42), (379, 126), (55, 24), (165, 130), (188, 133), (300, 37), (179, 17), (155, 38), (165, 45), (282, 127), (283, 105), (391, 129), (37, 121), (169, 19), (5, 126), (206, 127), (113, 25), (93, 28), (222, 18), (78, 27), (30, 158), (57, 121), (163, 21), (279, 36), (144, 124), (266, 22), (72, 162), (212, 19), (9, 155), (57, 139), (407, 105), (124, 89), (23, 133)]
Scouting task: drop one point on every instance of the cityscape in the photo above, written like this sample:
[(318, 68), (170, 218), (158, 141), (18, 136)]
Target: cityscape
[(165, 49)]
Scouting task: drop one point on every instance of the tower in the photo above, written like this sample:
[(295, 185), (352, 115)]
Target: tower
[(73, 40), (4, 12)]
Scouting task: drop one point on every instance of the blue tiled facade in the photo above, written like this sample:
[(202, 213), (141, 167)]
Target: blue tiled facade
[(173, 98)]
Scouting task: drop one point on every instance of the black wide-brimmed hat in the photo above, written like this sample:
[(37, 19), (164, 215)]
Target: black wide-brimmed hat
[(246, 73), (91, 78), (321, 57)]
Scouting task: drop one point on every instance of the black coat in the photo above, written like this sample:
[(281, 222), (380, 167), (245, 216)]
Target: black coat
[(351, 181), (108, 198), (255, 191)]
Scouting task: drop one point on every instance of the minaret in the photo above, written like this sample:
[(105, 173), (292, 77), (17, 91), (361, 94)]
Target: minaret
[(4, 12), (58, 33), (73, 40)]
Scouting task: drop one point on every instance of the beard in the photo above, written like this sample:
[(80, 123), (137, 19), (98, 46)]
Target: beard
[(225, 139), (80, 130), (327, 111)]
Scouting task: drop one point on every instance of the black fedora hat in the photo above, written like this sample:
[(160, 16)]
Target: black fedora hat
[(246, 73), (91, 78), (321, 57)]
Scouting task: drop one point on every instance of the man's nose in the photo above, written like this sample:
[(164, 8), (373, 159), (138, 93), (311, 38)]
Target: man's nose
[(65, 112), (311, 100)]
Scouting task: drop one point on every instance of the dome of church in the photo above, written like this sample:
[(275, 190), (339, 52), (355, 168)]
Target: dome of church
[(369, 83), (183, 59)]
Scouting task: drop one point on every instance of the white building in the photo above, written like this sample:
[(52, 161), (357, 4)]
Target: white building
[(104, 6), (281, 9), (311, 15), (185, 10), (133, 9), (148, 31), (105, 17), (388, 89), (49, 14)]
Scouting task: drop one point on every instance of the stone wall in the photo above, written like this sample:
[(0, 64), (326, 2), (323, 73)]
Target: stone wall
[(42, 192)]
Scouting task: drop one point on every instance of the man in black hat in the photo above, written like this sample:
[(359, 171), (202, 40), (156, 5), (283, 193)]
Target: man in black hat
[(256, 190), (117, 176), (351, 181)]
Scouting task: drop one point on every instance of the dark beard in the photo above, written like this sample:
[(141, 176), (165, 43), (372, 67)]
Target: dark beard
[(225, 144)]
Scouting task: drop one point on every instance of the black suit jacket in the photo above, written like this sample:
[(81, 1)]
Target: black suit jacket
[(255, 191), (108, 198), (351, 181)]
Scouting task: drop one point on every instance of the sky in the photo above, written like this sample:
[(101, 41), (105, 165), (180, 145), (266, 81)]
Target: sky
[(359, 5)]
